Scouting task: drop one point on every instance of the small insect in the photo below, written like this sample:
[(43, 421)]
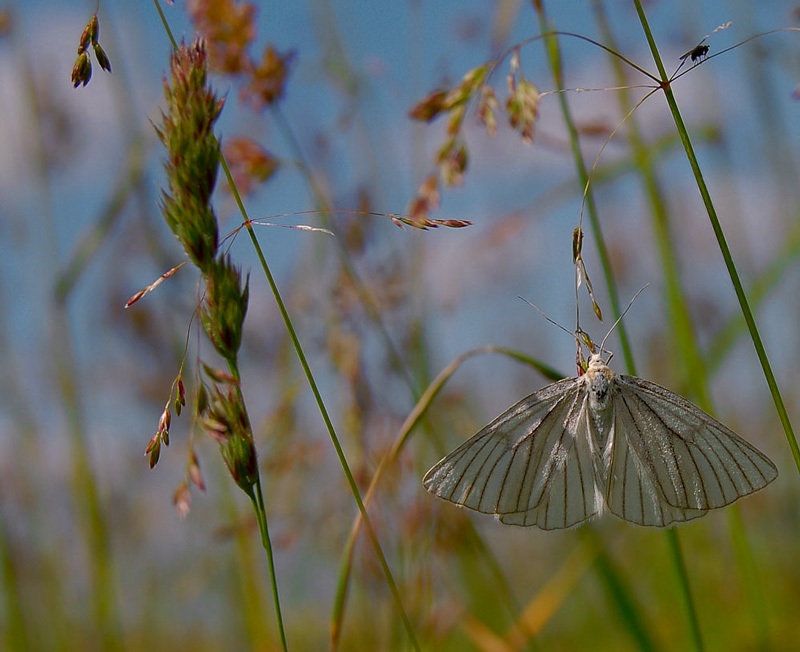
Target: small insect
[(696, 53), (600, 440)]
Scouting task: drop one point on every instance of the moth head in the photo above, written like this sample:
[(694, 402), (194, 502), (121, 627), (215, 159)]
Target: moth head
[(596, 361)]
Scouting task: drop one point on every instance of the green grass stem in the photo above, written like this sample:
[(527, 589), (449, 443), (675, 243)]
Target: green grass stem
[(722, 242), (615, 589), (685, 589), (403, 435), (257, 497), (88, 501), (681, 329), (323, 411)]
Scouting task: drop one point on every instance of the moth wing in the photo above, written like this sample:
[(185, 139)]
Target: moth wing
[(672, 462), (531, 466)]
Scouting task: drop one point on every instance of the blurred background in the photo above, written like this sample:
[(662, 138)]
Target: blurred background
[(94, 553)]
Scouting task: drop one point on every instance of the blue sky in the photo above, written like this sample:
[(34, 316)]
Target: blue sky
[(398, 52)]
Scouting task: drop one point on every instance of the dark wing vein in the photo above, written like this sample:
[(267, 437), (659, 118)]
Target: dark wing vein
[(686, 461), (634, 489), (532, 458), (570, 497)]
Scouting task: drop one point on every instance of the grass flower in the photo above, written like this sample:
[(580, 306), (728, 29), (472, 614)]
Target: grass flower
[(187, 133)]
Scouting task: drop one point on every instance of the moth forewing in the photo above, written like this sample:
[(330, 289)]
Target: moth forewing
[(503, 468), (541, 470), (566, 491)]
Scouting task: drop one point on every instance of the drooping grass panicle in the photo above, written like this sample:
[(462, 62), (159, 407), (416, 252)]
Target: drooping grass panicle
[(82, 68)]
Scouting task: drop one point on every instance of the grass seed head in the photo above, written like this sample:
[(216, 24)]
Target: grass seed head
[(187, 131)]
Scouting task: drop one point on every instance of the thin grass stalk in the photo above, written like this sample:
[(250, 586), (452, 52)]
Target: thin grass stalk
[(690, 610), (619, 592), (257, 498), (681, 330), (403, 435), (744, 304), (726, 254), (554, 59), (85, 491), (624, 605), (323, 410), (397, 360), (164, 22), (258, 502), (251, 600)]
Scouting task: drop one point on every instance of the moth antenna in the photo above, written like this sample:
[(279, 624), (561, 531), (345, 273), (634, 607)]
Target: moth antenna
[(542, 313), (616, 323), (580, 336)]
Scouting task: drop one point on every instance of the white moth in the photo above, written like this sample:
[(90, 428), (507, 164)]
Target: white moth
[(557, 457)]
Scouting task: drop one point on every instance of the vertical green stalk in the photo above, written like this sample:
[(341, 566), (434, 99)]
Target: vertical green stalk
[(257, 498), (324, 412), (722, 242), (251, 601), (193, 162), (554, 58), (256, 495), (85, 491), (724, 249), (686, 590), (615, 586), (253, 606), (681, 330)]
